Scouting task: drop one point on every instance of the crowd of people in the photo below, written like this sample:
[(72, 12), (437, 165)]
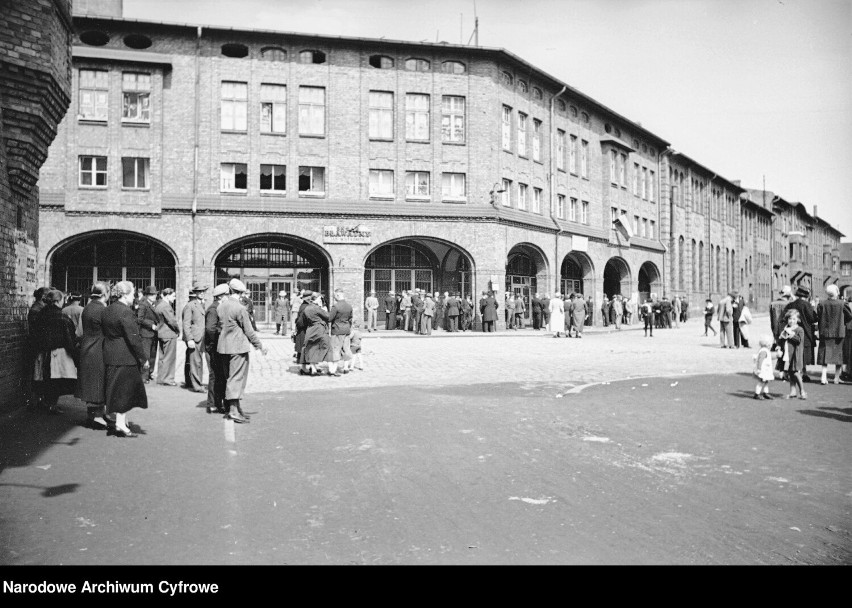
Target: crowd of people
[(421, 312)]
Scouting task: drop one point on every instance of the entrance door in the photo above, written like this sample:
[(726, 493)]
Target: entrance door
[(274, 288), (521, 287), (259, 299)]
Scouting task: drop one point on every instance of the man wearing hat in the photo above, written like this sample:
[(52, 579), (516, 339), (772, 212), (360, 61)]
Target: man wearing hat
[(146, 318), (776, 310), (372, 306), (236, 338), (281, 312), (193, 334), (167, 333), (212, 329), (725, 312), (390, 310), (807, 320)]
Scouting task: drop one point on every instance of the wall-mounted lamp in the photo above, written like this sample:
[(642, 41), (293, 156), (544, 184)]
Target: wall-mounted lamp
[(495, 189)]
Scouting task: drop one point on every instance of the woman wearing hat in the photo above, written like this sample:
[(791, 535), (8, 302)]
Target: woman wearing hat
[(832, 317), (57, 342), (91, 374), (807, 319), (316, 341)]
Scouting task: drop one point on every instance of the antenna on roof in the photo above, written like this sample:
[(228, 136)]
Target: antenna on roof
[(475, 34)]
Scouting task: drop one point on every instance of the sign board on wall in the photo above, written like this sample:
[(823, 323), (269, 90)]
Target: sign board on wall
[(25, 263), (360, 235), (579, 243)]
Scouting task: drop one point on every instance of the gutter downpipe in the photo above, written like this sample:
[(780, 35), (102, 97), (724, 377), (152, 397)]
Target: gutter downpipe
[(666, 250), (195, 150), (553, 182)]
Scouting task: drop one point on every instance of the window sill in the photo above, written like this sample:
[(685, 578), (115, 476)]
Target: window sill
[(234, 192), (233, 132), (574, 174), (455, 143), (455, 201), (310, 136), (311, 194), (382, 197), (524, 156), (561, 170), (273, 134), (101, 188), (538, 161), (419, 199), (387, 140), (92, 121), (278, 193), (136, 123), (418, 141), (125, 189)]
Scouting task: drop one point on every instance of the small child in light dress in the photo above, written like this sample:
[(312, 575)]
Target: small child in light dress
[(764, 368), (355, 346)]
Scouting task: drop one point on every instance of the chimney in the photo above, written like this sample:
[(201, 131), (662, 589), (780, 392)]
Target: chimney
[(98, 8), (815, 211)]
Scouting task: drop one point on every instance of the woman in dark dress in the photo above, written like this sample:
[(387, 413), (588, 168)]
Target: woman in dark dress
[(124, 356), (301, 326), (317, 342), (807, 320), (92, 372), (57, 345), (832, 317)]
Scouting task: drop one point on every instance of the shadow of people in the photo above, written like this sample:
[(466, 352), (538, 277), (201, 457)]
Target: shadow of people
[(821, 414)]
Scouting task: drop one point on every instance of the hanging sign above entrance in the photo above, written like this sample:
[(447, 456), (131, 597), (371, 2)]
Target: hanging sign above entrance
[(341, 234)]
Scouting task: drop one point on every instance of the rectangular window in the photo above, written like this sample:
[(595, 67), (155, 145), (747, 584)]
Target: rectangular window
[(584, 213), (644, 227), (560, 149), (93, 171), (311, 181), (506, 197), (381, 183), (572, 210), (651, 186), (507, 128), (453, 186), (651, 229), (522, 196), (635, 179), (522, 134), (622, 170), (94, 95), (311, 111), (135, 173), (273, 178), (573, 159), (273, 108), (136, 89), (560, 206), (584, 159), (381, 115), (635, 224), (536, 140), (613, 166), (416, 117), (613, 215), (644, 183), (417, 184), (233, 177), (234, 106), (452, 119)]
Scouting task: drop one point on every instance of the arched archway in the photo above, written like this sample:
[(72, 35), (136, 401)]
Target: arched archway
[(526, 273), (111, 256), (577, 274), (617, 279), (649, 281), (269, 263)]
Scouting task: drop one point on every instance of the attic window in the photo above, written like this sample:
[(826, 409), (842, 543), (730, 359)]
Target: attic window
[(618, 132), (452, 67), (237, 51), (137, 41), (311, 57), (417, 65), (573, 111), (508, 79), (94, 38), (273, 53), (537, 93), (608, 128), (523, 86), (382, 62), (561, 105), (585, 117)]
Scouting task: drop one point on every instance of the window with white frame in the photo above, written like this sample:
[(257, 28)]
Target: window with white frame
[(635, 224), (381, 183), (560, 149), (536, 205), (560, 206), (136, 91), (311, 181), (453, 186), (452, 118), (273, 108), (522, 196), (417, 184), (613, 215), (417, 65), (417, 117), (234, 106), (233, 177), (93, 171), (622, 170), (311, 111), (572, 209), (453, 67), (522, 134), (635, 179), (134, 173), (584, 159), (644, 231), (273, 179), (584, 212), (94, 95), (381, 115), (507, 128), (613, 166), (536, 140), (651, 229), (506, 195), (573, 155)]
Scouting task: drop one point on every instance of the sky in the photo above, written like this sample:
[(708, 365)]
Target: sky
[(751, 89)]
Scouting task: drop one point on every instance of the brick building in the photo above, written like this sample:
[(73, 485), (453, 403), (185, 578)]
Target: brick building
[(35, 83), (845, 282)]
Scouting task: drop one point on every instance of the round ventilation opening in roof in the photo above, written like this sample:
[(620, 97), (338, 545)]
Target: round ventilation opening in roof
[(94, 38), (137, 41), (235, 50)]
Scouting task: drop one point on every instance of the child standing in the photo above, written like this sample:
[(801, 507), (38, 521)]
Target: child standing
[(763, 368), (355, 346), (794, 352), (708, 317)]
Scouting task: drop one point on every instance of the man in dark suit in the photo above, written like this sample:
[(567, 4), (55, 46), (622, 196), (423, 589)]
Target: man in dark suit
[(146, 318), (482, 302), (193, 334), (451, 308), (340, 326), (217, 376), (545, 310), (590, 311), (416, 310), (438, 316), (390, 310), (535, 303), (167, 334), (489, 313)]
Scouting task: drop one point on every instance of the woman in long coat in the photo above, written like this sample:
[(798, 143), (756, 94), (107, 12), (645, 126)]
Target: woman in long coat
[(300, 327), (91, 375), (807, 318), (557, 315), (832, 317), (578, 310), (57, 345), (124, 356), (317, 344), (847, 341)]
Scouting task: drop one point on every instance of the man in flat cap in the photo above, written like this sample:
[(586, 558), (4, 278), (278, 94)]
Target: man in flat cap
[(236, 338), (216, 375), (192, 317), (146, 318)]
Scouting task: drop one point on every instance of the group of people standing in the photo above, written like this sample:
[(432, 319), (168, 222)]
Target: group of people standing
[(734, 317), (326, 336), (421, 312)]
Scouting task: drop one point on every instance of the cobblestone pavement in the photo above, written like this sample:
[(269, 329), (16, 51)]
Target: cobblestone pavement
[(400, 359)]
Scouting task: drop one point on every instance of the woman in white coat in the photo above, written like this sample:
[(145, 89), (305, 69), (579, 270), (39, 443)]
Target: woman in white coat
[(745, 321), (557, 315)]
